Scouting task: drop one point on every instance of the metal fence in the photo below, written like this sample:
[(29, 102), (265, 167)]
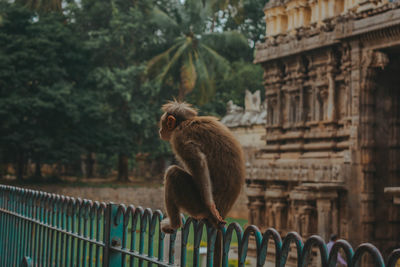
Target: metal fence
[(42, 229)]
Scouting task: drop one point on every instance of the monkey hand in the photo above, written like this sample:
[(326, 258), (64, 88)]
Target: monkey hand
[(215, 218)]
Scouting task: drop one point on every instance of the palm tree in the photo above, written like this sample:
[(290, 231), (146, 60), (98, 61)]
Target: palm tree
[(192, 61)]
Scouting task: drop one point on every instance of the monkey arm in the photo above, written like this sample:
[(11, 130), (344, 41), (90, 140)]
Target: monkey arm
[(195, 162)]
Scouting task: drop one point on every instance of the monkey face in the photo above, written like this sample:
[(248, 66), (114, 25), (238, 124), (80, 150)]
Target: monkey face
[(167, 126)]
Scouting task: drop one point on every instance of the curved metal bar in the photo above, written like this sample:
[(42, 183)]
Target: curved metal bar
[(273, 234), (158, 217), (129, 213), (393, 258), (184, 238), (198, 233), (333, 255), (87, 205), (312, 241), (78, 207), (120, 213), (93, 209), (227, 234), (297, 240), (372, 250), (243, 246)]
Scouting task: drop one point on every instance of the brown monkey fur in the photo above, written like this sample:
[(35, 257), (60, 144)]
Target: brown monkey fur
[(212, 167)]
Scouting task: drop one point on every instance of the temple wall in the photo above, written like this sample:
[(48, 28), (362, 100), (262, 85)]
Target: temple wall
[(332, 133)]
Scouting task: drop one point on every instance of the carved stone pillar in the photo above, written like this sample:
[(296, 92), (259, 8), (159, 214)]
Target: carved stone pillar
[(277, 207), (372, 60), (331, 109), (303, 211), (255, 193), (328, 221)]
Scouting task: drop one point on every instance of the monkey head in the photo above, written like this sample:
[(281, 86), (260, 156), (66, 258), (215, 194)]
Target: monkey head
[(167, 126), (174, 113)]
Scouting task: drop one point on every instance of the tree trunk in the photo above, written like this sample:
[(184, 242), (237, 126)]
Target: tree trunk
[(123, 168), (90, 161), (38, 170), (20, 166)]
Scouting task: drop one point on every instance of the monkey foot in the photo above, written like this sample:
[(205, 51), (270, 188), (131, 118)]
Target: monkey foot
[(215, 218), (167, 228)]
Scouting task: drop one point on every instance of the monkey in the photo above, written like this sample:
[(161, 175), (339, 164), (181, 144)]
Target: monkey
[(212, 170)]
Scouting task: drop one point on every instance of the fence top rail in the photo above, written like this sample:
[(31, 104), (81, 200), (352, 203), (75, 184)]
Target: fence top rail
[(41, 208)]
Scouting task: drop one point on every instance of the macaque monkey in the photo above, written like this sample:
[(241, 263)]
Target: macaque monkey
[(212, 170)]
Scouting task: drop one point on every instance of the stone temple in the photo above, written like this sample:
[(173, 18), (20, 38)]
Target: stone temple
[(330, 142)]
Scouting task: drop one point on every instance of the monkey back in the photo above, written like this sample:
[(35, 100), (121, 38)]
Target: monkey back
[(224, 156)]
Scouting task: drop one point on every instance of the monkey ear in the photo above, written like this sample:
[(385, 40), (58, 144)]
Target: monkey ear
[(171, 122)]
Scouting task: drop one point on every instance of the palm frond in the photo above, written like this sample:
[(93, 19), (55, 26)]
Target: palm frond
[(159, 61), (214, 60), (205, 87), (224, 40), (188, 75), (160, 18), (177, 55)]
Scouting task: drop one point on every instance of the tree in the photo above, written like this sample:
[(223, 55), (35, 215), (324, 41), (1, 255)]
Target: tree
[(247, 18), (40, 70), (191, 62), (119, 45)]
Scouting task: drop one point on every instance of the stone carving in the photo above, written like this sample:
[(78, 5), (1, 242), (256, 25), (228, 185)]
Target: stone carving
[(332, 138), (254, 112)]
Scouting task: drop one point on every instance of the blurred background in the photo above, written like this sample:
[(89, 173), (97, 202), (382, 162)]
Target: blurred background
[(82, 82)]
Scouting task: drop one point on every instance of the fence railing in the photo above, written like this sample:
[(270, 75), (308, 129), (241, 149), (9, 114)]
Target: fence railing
[(43, 229)]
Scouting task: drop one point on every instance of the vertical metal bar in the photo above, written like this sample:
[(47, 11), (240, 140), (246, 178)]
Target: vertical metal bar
[(73, 230), (12, 227), (143, 224), (33, 225), (2, 222), (22, 224), (41, 230), (198, 231), (46, 221), (71, 203), (15, 226), (79, 232), (134, 220), (91, 235), (124, 240), (151, 236), (92, 214), (87, 205), (171, 248), (63, 221), (100, 212), (52, 244), (161, 237), (113, 229), (30, 234)]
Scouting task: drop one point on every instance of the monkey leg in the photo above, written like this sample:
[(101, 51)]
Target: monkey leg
[(181, 193)]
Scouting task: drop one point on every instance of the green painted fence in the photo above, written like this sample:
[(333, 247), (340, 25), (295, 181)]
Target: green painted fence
[(42, 229)]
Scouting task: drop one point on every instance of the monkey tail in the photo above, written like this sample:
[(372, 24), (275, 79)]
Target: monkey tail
[(218, 250)]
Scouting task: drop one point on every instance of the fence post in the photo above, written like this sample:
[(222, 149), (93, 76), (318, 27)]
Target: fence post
[(113, 231)]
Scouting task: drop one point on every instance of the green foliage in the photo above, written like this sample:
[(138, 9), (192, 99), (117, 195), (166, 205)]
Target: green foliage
[(193, 61), (40, 63), (244, 75), (91, 79)]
